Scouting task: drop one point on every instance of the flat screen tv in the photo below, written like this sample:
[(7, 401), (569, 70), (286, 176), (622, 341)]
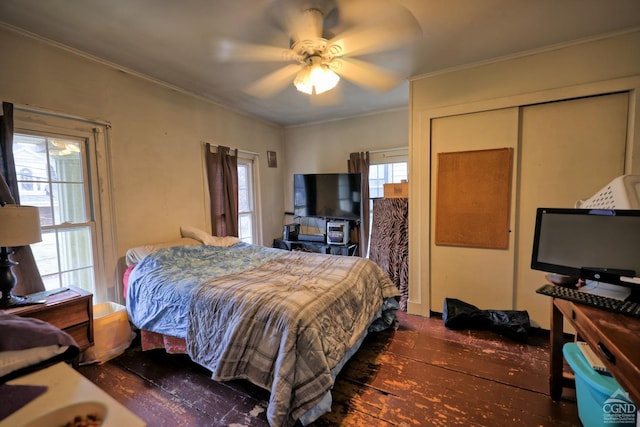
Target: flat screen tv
[(592, 244), (327, 195)]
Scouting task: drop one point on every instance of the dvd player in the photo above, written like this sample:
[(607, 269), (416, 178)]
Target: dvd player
[(311, 237)]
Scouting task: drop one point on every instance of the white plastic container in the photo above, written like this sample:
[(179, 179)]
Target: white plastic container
[(112, 333), (621, 193)]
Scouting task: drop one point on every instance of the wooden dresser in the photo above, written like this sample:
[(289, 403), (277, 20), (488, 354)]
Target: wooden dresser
[(70, 309), (614, 337)]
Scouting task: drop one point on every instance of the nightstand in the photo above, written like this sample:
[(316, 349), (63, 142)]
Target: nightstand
[(70, 309)]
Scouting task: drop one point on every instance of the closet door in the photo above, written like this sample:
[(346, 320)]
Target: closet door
[(563, 151), (570, 150), (483, 277)]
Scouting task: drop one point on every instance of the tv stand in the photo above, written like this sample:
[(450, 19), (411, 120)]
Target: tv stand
[(350, 249)]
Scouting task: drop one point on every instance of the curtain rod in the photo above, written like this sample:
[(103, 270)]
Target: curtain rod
[(251, 153), (59, 115), (386, 150)]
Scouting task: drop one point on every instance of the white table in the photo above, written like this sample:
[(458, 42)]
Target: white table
[(67, 386)]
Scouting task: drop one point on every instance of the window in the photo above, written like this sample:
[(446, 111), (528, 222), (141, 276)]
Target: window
[(56, 184), (385, 173), (385, 167), (57, 163), (248, 224)]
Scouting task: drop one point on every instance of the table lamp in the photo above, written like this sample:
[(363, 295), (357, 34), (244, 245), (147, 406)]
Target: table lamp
[(19, 226)]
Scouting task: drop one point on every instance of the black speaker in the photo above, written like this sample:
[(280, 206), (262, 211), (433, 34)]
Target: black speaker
[(291, 232)]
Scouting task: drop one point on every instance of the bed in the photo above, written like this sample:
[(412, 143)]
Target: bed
[(285, 321)]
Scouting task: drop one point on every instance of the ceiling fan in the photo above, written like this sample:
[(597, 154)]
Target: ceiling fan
[(317, 58)]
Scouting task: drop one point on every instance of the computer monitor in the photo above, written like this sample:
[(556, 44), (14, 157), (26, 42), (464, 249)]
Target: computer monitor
[(591, 244)]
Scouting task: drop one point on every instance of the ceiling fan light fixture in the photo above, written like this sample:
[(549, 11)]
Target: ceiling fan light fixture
[(315, 77), (302, 82)]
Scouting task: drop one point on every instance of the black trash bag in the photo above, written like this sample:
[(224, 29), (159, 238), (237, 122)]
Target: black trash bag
[(461, 315), (458, 314)]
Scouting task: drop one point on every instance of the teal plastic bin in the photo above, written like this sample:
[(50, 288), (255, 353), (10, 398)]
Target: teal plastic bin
[(601, 400)]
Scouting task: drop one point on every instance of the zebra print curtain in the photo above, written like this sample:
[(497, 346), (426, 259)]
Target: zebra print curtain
[(390, 242)]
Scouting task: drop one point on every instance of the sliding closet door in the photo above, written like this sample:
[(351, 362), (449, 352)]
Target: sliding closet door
[(570, 150), (479, 276)]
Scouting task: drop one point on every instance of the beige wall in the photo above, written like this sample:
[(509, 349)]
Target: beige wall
[(596, 66), (582, 63), (156, 136), (325, 147)]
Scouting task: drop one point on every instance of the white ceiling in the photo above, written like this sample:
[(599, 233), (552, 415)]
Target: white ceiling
[(172, 41)]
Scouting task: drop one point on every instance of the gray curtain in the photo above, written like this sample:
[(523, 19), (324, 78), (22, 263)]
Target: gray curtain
[(27, 274), (359, 162), (222, 176)]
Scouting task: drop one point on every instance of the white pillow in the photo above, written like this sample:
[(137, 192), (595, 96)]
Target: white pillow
[(225, 241), (135, 255), (206, 238), (194, 233)]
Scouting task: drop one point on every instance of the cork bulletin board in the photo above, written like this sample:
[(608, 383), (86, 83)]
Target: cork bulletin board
[(473, 198)]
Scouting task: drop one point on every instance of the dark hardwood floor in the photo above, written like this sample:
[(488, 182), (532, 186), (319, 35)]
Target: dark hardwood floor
[(421, 374)]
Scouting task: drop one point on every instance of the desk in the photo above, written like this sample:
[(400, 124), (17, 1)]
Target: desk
[(66, 386), (614, 337)]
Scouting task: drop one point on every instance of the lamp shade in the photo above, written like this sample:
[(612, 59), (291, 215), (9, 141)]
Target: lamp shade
[(315, 77), (302, 81), (19, 225)]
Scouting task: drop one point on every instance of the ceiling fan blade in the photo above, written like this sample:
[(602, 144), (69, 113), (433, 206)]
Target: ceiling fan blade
[(399, 30), (227, 50), (365, 74), (274, 82), (306, 25), (301, 20)]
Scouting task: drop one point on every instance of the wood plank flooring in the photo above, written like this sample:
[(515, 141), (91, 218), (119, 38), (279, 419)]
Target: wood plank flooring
[(420, 374)]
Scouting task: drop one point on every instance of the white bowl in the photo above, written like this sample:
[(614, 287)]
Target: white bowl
[(61, 416)]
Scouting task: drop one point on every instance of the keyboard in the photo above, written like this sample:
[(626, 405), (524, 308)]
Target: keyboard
[(629, 308)]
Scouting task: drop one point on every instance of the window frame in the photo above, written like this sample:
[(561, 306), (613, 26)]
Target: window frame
[(251, 160), (97, 186)]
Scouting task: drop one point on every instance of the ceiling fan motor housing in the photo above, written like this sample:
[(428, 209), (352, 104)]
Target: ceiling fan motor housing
[(312, 37)]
